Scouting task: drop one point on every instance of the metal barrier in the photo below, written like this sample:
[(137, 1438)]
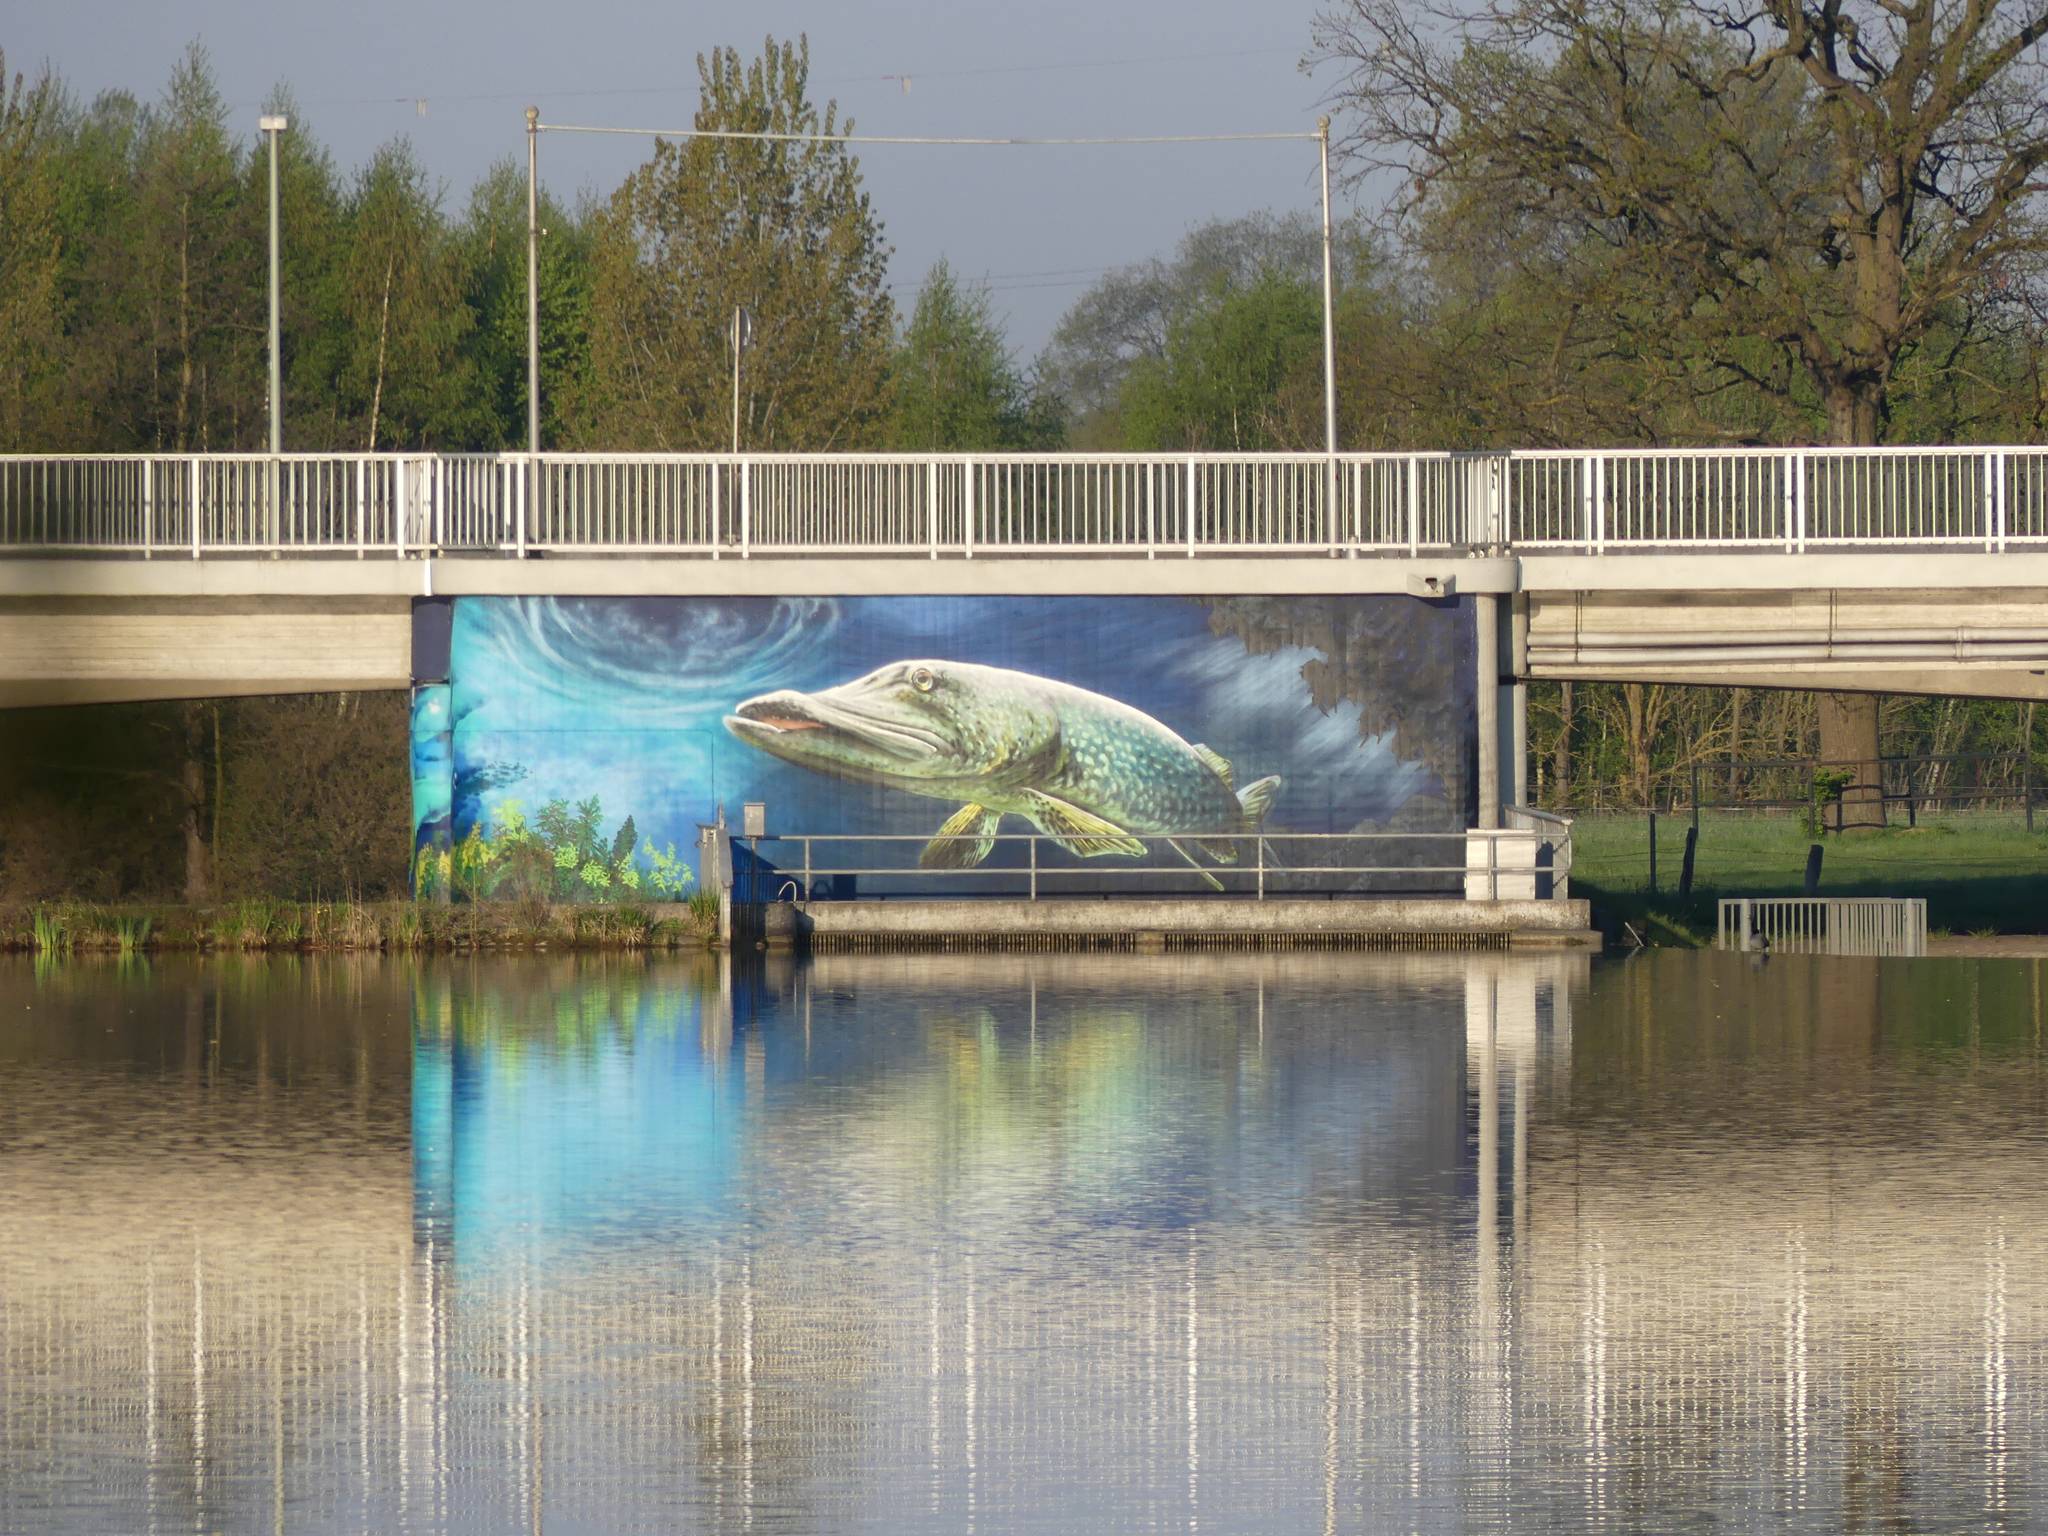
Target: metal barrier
[(979, 505), (1268, 864), (1824, 925)]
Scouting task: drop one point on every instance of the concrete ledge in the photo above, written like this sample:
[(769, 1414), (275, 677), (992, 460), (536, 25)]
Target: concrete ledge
[(1548, 923)]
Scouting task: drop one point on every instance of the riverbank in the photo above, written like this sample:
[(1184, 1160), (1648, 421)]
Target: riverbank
[(250, 926)]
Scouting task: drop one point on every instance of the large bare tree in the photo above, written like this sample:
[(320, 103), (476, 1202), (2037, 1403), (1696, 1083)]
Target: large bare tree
[(1786, 194)]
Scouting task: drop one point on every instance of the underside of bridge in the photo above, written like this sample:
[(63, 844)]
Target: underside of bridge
[(92, 631), (1990, 643)]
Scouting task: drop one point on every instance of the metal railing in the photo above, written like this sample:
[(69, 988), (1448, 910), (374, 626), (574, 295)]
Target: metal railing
[(1824, 925), (980, 505), (1272, 864)]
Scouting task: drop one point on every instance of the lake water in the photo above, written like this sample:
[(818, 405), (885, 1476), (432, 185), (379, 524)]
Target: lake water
[(1061, 1243)]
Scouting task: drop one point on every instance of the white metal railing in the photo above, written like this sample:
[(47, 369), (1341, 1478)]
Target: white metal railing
[(1824, 925), (969, 505), (798, 865)]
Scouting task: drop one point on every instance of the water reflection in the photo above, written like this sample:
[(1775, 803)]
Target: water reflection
[(1284, 1243)]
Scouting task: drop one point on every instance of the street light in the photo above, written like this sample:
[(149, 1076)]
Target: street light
[(271, 126)]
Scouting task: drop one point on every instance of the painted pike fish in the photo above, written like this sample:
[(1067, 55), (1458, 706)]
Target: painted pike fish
[(1090, 772)]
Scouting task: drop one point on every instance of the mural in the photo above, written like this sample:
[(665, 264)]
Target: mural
[(587, 739)]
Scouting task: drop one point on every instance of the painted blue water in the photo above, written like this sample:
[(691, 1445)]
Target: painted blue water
[(1069, 1243)]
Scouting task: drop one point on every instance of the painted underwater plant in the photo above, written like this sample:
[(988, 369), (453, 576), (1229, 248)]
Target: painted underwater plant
[(563, 854), (1089, 771)]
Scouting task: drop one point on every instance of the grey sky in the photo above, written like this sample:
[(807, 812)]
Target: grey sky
[(1038, 223)]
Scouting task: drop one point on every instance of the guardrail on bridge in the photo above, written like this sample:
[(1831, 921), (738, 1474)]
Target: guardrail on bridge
[(980, 505)]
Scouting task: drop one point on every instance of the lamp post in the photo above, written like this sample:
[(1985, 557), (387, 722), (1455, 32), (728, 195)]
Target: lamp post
[(271, 127)]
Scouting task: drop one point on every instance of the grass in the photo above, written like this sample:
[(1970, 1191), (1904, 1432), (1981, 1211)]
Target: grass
[(1979, 871), (257, 925)]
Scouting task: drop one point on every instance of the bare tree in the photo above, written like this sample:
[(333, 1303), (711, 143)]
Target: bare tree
[(1788, 195)]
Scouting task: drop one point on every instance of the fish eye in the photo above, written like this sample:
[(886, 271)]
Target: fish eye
[(922, 680)]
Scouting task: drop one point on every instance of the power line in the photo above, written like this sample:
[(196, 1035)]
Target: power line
[(423, 100), (764, 136)]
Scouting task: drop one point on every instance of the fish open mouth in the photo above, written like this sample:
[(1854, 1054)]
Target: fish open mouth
[(773, 717)]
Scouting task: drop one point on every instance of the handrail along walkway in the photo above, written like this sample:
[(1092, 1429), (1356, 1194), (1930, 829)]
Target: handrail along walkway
[(973, 505)]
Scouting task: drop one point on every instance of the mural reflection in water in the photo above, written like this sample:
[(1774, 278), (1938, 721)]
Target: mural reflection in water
[(1330, 1242)]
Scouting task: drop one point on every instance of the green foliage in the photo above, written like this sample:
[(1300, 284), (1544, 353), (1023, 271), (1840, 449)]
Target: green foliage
[(953, 385), (1218, 383), (783, 229), (1827, 787)]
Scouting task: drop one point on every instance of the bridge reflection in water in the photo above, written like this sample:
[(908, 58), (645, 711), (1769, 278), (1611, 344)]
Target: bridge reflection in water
[(1331, 1242)]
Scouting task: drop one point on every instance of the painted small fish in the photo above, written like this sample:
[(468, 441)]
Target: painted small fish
[(1092, 773)]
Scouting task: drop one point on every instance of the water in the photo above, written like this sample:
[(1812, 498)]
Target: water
[(1071, 1243)]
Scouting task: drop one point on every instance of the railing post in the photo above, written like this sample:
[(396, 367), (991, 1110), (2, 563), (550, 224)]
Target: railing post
[(808, 892), (1193, 497), (1599, 519), (193, 506), (931, 506), (1998, 498), (522, 493), (401, 484), (1799, 503), (717, 530), (1032, 842), (746, 510), (967, 507), (1259, 845), (1414, 503), (362, 469), (148, 506), (437, 511), (1151, 524)]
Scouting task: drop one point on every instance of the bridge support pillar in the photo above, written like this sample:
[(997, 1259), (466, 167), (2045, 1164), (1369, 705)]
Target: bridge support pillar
[(1486, 696)]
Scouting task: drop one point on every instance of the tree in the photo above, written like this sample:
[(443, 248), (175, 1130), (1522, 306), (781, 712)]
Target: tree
[(1126, 321), (402, 308), (1218, 384), (1791, 195), (952, 382), (31, 314), (492, 239), (708, 225), (197, 285)]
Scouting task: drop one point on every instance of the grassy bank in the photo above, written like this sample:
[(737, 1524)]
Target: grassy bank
[(1980, 873), (255, 925)]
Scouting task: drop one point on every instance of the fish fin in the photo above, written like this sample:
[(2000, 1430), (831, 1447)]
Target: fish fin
[(1210, 880), (1257, 798), (1215, 763), (967, 838), (1079, 832), (1222, 850)]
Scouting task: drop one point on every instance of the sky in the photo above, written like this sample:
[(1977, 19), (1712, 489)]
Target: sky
[(1038, 225)]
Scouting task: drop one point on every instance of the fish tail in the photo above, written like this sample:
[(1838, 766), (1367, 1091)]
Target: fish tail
[(1256, 798)]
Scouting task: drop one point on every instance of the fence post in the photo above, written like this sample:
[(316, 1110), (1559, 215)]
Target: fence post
[(931, 506), (1193, 497), (400, 483), (148, 506), (192, 491), (522, 484), (1032, 843), (1998, 496), (808, 892), (746, 510), (1259, 843)]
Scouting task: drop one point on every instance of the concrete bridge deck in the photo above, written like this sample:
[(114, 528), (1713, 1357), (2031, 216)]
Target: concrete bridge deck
[(1894, 570)]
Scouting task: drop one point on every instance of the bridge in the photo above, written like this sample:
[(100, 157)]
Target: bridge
[(1899, 570)]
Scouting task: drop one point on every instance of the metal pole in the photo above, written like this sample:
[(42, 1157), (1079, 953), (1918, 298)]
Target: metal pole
[(1329, 330), (735, 381), (272, 127), (532, 507)]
